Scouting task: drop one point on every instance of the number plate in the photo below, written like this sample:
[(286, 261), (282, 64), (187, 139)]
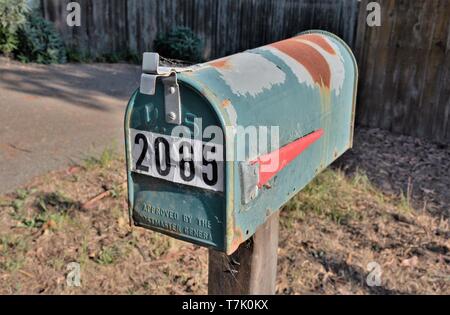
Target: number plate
[(180, 160)]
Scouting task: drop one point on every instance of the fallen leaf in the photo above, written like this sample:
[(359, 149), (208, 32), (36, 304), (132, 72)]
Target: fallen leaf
[(121, 222), (50, 225), (73, 169), (411, 262)]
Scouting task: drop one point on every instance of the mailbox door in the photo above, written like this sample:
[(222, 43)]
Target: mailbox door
[(188, 207)]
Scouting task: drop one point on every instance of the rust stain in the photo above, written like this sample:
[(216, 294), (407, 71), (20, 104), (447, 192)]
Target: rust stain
[(226, 103), (222, 63), (237, 240), (208, 93), (318, 40), (310, 58)]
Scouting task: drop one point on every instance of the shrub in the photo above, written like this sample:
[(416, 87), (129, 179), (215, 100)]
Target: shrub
[(39, 42), (12, 15), (181, 43), (77, 56)]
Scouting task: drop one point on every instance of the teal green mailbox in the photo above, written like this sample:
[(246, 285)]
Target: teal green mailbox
[(213, 150)]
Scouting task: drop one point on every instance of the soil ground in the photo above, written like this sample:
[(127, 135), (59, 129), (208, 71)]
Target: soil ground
[(354, 225)]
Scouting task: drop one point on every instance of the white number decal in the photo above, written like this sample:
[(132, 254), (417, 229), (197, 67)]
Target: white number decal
[(184, 161)]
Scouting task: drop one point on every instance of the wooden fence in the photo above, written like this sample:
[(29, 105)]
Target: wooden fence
[(404, 64), (405, 69)]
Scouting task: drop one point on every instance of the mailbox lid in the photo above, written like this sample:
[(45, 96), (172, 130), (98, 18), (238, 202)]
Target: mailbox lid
[(186, 212), (292, 84)]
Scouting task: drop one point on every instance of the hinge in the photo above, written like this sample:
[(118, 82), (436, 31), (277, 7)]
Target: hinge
[(249, 181), (151, 71)]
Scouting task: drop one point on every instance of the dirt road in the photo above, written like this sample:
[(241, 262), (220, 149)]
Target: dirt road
[(53, 116)]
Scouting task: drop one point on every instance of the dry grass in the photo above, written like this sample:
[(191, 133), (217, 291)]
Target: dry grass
[(337, 226), (330, 232)]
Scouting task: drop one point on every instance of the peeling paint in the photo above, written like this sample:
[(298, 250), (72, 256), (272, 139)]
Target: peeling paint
[(248, 73), (237, 240), (232, 115), (222, 63), (302, 74), (314, 60), (335, 62), (310, 58), (318, 40), (226, 103)]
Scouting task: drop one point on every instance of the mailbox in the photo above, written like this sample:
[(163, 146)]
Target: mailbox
[(214, 149)]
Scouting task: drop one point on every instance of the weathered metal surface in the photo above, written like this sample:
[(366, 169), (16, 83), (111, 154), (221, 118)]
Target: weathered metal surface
[(305, 85)]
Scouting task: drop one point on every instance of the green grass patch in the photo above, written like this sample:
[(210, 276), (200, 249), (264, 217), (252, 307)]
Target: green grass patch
[(12, 252), (50, 211), (333, 196), (336, 197), (108, 255), (106, 158)]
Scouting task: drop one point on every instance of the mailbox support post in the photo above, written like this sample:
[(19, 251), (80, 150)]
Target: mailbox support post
[(251, 269)]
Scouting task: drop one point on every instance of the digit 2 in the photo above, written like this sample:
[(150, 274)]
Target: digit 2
[(137, 140)]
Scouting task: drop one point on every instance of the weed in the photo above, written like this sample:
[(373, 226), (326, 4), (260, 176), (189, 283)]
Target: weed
[(331, 195), (56, 201), (17, 204), (77, 56), (22, 194), (57, 263), (104, 161), (160, 245), (4, 202), (117, 191), (404, 203), (107, 157), (108, 255), (21, 197), (12, 252), (84, 253)]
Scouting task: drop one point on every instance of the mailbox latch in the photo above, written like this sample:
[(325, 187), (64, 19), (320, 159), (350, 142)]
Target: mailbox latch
[(151, 71)]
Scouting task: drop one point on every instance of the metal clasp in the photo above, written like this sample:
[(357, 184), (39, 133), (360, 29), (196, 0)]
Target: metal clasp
[(249, 181), (151, 71)]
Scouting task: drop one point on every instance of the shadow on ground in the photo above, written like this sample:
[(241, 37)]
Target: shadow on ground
[(75, 84), (415, 168)]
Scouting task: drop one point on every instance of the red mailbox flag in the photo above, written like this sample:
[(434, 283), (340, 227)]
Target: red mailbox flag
[(284, 155)]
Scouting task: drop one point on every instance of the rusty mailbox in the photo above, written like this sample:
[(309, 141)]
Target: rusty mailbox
[(214, 149)]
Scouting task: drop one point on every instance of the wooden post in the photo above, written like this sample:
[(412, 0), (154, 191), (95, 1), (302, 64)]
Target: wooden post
[(252, 269)]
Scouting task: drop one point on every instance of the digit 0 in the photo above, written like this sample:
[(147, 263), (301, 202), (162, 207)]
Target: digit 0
[(166, 153)]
